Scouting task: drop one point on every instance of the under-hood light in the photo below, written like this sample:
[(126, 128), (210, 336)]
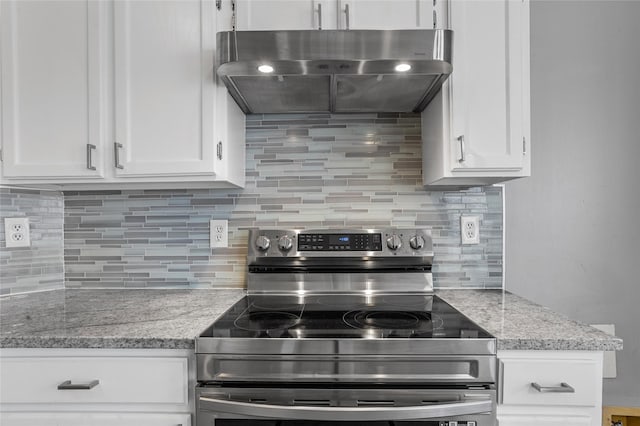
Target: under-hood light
[(403, 67), (265, 69)]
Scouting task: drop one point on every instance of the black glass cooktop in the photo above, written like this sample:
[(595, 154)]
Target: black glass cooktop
[(344, 316)]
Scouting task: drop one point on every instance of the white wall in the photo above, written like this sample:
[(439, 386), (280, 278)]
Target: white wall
[(573, 228)]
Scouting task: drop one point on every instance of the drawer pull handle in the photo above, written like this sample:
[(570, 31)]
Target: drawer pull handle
[(67, 385), (563, 388)]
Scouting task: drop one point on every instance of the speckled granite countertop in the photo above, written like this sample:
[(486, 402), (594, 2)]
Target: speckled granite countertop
[(520, 324), (165, 319), (170, 319)]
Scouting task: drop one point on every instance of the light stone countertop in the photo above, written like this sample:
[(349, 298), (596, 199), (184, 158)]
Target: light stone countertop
[(171, 319), (118, 318), (519, 324)]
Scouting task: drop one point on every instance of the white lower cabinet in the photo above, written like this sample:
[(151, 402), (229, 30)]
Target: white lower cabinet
[(94, 419), (570, 385), (96, 387)]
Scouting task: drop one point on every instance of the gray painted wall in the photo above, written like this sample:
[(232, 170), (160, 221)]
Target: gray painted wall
[(567, 242)]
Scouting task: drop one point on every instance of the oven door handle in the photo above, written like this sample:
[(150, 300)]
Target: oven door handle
[(369, 413)]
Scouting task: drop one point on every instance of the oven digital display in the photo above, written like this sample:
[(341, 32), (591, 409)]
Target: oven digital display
[(339, 239), (340, 242)]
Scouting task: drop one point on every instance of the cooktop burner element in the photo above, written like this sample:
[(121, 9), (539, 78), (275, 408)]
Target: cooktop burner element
[(266, 320), (382, 319)]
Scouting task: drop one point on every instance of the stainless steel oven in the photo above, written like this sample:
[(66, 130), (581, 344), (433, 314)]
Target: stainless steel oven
[(342, 327)]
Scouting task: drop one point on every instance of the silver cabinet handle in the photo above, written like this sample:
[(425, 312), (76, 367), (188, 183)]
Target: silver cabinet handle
[(90, 148), (335, 414), (219, 150), (346, 13), (563, 388), (319, 16), (67, 385), (462, 155), (116, 150)]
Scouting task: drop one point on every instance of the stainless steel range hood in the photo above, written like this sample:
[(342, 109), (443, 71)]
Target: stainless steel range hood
[(334, 70)]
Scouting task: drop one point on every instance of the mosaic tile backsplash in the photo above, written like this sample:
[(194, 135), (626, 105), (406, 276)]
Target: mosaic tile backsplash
[(39, 267), (304, 171)]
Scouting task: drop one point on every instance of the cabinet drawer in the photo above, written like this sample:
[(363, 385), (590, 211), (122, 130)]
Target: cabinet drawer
[(123, 380), (536, 420), (94, 419), (582, 374)]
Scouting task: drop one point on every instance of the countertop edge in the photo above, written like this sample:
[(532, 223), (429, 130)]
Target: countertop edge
[(96, 343)]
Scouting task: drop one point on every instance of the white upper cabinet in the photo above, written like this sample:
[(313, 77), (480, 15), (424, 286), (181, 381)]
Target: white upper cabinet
[(258, 15), (101, 94), (264, 15), (164, 89), (52, 89), (477, 131), (386, 14)]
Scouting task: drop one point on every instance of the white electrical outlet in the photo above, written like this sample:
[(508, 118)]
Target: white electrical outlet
[(16, 232), (219, 231), (470, 229)]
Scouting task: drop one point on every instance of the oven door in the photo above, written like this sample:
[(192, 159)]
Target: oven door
[(221, 406)]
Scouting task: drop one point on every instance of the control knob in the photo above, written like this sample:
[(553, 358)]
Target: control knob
[(394, 242), (263, 243), (285, 243), (416, 242)]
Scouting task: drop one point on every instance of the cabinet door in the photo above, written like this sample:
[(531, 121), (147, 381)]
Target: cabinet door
[(94, 419), (52, 85), (387, 14), (489, 85), (164, 87), (262, 15)]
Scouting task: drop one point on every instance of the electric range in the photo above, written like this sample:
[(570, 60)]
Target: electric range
[(343, 326)]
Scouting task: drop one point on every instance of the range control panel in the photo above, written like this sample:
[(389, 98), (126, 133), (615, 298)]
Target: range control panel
[(327, 243), (340, 242)]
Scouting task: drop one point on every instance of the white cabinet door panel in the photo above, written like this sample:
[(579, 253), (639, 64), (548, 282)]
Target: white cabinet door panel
[(52, 84), (385, 14), (263, 15), (486, 85), (164, 87)]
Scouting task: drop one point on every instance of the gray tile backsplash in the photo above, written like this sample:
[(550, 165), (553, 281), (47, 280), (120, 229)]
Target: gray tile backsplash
[(303, 170), (40, 266)]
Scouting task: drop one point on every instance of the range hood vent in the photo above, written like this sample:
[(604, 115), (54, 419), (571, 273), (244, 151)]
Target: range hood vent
[(334, 70)]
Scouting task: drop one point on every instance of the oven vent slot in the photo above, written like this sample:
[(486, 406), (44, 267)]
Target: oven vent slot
[(375, 402), (313, 402), (257, 400), (438, 401)]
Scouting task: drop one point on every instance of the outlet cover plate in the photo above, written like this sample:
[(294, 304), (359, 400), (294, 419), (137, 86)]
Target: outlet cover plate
[(16, 232), (469, 230), (219, 233)]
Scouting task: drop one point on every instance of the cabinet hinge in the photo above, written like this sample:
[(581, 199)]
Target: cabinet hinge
[(435, 15), (219, 150), (218, 4), (233, 15), (524, 146)]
